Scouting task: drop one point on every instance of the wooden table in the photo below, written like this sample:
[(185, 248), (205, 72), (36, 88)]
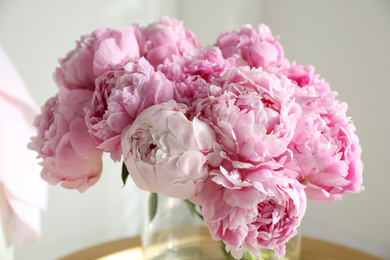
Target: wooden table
[(129, 248)]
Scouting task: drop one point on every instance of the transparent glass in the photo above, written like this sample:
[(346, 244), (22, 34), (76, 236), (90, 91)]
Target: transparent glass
[(175, 234), (171, 232)]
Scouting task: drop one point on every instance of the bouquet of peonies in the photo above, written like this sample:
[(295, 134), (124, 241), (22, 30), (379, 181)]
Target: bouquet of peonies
[(235, 127)]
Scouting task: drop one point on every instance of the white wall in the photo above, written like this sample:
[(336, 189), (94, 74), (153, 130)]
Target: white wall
[(347, 41), (208, 19)]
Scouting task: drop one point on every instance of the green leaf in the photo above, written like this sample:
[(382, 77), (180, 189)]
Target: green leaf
[(153, 201), (192, 207), (248, 256), (125, 173)]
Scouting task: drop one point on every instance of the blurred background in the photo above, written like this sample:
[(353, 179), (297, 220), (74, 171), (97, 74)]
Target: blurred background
[(346, 41)]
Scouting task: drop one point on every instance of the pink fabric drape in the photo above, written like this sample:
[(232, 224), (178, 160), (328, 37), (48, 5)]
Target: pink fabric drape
[(22, 192)]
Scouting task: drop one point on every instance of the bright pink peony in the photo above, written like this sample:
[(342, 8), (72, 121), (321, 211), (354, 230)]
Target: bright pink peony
[(252, 120), (253, 47), (194, 75), (119, 97), (326, 150), (94, 54), (167, 153), (263, 209), (310, 84), (165, 38), (63, 142)]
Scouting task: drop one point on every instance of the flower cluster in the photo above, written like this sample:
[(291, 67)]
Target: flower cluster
[(235, 127)]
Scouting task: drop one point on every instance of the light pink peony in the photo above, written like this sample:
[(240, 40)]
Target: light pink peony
[(166, 153), (94, 54), (263, 209), (165, 38), (327, 154), (120, 96), (68, 153), (309, 84), (194, 75), (252, 119), (253, 47)]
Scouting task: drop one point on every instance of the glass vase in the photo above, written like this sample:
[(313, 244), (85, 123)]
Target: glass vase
[(173, 231)]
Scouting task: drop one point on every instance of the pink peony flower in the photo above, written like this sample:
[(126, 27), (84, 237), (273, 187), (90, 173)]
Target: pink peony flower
[(252, 120), (165, 38), (194, 75), (326, 150), (253, 47), (120, 96), (235, 127), (94, 54), (309, 83), (264, 209), (167, 153), (63, 143)]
